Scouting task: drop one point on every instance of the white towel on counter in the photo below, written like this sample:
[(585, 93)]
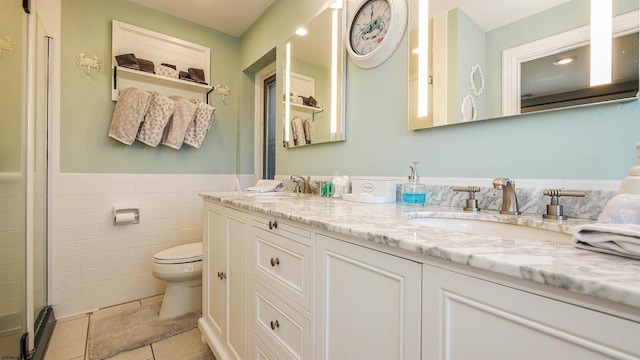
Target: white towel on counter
[(201, 124), (310, 131), (160, 110), (265, 185), (179, 122), (297, 130), (617, 230), (128, 114)]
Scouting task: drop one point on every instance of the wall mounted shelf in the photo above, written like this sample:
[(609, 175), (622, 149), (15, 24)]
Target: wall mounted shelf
[(306, 108), (125, 77), (158, 48)]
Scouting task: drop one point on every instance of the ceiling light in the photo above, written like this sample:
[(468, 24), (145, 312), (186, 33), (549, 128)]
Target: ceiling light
[(301, 31), (565, 60)]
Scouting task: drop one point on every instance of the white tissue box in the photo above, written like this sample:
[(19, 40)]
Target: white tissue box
[(372, 190)]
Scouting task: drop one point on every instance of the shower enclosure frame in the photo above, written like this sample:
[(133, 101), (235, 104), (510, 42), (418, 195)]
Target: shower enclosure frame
[(39, 328)]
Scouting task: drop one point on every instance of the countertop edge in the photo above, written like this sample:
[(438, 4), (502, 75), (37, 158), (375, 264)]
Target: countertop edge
[(602, 276)]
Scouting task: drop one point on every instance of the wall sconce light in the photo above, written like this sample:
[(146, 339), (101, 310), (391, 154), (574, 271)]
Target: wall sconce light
[(423, 59), (334, 71), (601, 34), (287, 91)]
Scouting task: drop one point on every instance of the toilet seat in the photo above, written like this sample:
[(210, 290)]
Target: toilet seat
[(180, 254)]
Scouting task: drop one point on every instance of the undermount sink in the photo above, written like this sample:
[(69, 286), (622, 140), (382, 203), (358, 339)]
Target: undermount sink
[(492, 228)]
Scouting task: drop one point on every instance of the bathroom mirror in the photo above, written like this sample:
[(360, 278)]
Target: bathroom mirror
[(490, 59), (313, 111)]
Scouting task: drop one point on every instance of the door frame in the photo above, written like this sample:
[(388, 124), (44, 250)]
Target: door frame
[(258, 149)]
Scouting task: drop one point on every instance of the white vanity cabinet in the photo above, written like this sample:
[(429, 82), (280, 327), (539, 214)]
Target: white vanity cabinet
[(469, 318), (368, 303), (281, 292), (277, 289), (224, 278)]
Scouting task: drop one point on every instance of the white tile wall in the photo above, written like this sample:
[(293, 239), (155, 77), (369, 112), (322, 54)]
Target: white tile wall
[(11, 251), (97, 264)]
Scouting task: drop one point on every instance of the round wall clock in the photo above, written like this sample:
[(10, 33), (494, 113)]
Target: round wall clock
[(375, 31)]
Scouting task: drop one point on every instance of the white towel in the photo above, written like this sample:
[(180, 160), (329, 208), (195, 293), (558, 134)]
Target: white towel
[(297, 130), (180, 120), (201, 124), (128, 114), (264, 185), (160, 110), (617, 231), (310, 131)]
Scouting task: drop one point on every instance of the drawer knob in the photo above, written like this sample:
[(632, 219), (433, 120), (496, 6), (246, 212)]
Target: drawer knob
[(274, 324), (222, 275), (275, 261), (273, 224)]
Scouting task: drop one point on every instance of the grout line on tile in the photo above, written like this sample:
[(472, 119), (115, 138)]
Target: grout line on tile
[(86, 338)]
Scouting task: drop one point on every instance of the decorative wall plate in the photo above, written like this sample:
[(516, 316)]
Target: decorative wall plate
[(375, 31), (476, 80)]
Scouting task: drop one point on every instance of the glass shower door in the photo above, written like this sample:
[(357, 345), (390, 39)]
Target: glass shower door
[(25, 318), (13, 60), (37, 297)]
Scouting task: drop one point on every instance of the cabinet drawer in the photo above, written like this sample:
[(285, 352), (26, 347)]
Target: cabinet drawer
[(259, 351), (279, 325), (482, 315), (283, 228), (283, 265)]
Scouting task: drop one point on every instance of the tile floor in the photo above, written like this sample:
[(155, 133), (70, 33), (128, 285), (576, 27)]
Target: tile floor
[(69, 340)]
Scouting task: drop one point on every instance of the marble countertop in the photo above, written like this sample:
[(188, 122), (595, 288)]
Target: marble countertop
[(555, 263)]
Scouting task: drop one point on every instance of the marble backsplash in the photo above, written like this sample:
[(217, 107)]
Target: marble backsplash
[(530, 200), (529, 192)]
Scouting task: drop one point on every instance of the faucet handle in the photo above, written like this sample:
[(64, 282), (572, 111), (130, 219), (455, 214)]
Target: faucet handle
[(472, 202), (555, 210)]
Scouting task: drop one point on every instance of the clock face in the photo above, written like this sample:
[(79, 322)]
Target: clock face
[(370, 26)]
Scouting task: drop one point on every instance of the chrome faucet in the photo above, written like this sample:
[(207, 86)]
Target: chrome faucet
[(305, 189), (509, 198)]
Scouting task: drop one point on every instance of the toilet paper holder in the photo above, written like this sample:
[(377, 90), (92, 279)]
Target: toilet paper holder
[(126, 215)]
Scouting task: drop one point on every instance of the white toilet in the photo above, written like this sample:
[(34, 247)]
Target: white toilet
[(181, 267)]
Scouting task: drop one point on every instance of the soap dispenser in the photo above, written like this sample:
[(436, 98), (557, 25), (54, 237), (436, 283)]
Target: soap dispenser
[(413, 192), (631, 184)]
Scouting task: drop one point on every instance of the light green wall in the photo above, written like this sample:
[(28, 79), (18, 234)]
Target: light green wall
[(471, 51), (595, 142), (585, 143), (86, 105), (12, 91)]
